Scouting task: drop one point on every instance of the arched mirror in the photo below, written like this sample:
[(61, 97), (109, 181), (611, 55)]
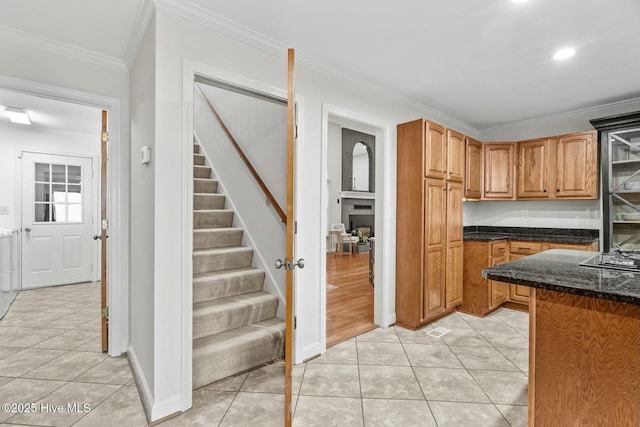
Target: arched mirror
[(360, 167)]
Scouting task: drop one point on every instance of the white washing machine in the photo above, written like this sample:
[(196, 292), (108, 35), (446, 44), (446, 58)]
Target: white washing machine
[(9, 267)]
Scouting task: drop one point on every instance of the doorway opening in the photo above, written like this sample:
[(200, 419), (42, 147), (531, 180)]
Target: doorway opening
[(350, 228), (61, 149)]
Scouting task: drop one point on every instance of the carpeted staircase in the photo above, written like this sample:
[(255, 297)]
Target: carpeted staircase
[(234, 323)]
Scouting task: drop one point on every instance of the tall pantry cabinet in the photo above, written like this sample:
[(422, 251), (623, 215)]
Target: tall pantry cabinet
[(430, 176)]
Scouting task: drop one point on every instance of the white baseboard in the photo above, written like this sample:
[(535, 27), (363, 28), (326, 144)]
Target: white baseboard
[(310, 351), (391, 319), (164, 408), (141, 381), (155, 410)]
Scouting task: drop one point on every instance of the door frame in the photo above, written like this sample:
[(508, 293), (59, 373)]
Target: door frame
[(118, 197), (190, 70), (385, 209), (95, 199)]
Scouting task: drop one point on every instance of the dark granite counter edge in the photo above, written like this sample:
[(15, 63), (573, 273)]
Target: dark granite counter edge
[(554, 235), (488, 237), (629, 299), (539, 231)]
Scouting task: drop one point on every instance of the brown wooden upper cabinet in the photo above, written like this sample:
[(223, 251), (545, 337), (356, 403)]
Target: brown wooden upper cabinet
[(534, 168), (473, 170), (577, 170), (455, 156), (435, 151), (499, 162), (564, 167)]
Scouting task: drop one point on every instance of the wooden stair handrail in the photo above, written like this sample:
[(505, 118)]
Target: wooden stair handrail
[(256, 176)]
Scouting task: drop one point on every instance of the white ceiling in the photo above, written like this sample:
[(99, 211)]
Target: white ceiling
[(485, 63), (51, 113)]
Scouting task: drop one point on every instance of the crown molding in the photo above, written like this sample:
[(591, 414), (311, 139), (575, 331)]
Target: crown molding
[(52, 46), (143, 17), (586, 114), (195, 13)]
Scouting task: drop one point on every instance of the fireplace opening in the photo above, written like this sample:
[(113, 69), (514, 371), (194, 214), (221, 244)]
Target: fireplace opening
[(362, 222)]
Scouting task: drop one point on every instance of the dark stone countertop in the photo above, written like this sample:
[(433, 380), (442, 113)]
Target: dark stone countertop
[(555, 235), (560, 270)]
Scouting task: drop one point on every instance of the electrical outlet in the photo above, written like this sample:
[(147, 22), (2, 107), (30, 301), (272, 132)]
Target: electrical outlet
[(4, 210)]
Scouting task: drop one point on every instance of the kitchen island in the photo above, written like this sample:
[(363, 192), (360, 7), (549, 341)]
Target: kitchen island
[(584, 339)]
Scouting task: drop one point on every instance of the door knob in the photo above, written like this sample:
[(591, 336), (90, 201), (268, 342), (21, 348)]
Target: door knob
[(289, 265), (96, 237), (27, 229)]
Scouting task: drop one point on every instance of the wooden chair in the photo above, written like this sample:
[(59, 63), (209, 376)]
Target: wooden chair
[(343, 238)]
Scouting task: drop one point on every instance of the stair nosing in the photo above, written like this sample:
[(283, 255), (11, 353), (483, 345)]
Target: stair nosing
[(279, 324), (242, 301), (218, 229), (201, 277), (222, 250)]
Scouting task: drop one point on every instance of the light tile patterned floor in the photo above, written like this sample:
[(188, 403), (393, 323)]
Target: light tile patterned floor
[(475, 375)]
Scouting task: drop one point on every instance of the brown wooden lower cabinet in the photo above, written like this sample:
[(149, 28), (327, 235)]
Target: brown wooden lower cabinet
[(584, 361), (482, 296)]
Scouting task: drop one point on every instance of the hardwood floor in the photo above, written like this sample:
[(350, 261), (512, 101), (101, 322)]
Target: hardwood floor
[(350, 304)]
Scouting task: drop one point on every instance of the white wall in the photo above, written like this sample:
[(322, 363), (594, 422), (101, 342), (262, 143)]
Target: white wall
[(260, 128), (551, 214), (14, 137), (334, 175), (178, 39), (575, 121), (142, 292), (36, 65)]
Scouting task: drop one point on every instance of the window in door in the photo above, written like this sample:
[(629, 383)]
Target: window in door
[(58, 193)]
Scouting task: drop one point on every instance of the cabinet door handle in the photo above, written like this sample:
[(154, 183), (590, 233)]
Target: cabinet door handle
[(545, 190)]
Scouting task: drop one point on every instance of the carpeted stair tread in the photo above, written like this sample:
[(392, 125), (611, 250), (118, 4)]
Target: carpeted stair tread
[(221, 259), (219, 356), (234, 325), (212, 218), (223, 314), (220, 237), (205, 185), (201, 172), (198, 159), (228, 283), (208, 201)]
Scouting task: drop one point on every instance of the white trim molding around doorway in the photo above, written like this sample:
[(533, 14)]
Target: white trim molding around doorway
[(384, 293), (118, 199)]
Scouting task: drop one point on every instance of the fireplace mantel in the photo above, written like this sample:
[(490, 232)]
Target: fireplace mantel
[(357, 195)]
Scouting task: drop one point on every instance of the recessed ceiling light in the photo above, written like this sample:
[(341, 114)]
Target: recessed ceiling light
[(564, 53), (18, 115)]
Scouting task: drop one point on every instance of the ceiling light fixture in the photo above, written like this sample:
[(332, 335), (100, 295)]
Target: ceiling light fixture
[(564, 53), (18, 115)]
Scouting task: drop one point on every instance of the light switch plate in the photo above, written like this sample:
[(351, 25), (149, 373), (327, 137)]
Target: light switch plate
[(4, 210)]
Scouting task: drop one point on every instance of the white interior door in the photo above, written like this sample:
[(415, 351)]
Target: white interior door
[(56, 220)]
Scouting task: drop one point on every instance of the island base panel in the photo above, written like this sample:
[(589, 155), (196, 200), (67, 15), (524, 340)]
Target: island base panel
[(584, 361)]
